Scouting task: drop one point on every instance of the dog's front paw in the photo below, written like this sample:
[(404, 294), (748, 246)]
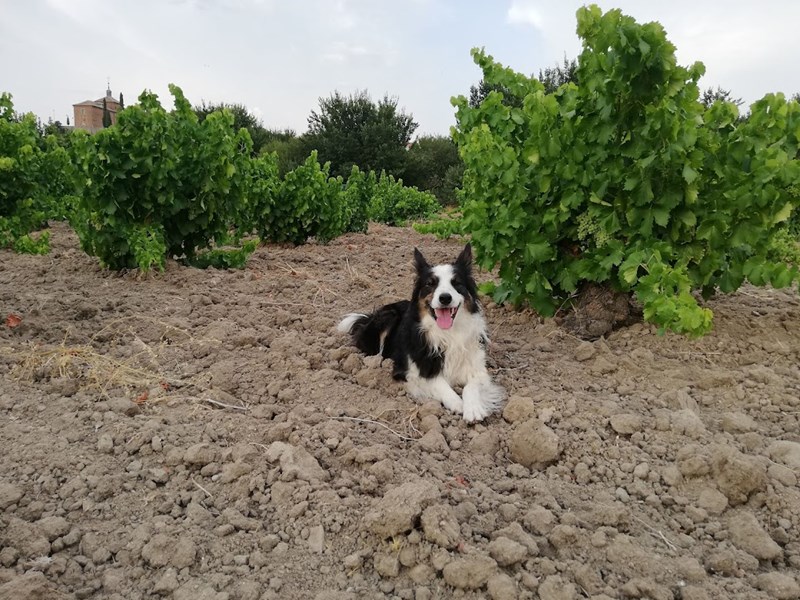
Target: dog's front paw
[(475, 412), (455, 405)]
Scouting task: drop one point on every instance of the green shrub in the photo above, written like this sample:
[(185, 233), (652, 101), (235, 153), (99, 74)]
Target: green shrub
[(307, 203), (20, 209), (626, 179), (160, 184), (358, 193), (394, 204), (226, 258)]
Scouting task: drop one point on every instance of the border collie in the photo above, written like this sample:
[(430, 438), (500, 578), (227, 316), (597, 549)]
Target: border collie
[(437, 339)]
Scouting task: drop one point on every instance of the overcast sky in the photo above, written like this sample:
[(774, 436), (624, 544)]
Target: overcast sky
[(279, 57)]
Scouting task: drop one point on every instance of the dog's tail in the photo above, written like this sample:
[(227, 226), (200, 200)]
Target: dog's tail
[(371, 332)]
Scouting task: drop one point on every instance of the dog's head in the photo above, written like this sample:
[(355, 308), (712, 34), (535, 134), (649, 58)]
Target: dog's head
[(443, 290)]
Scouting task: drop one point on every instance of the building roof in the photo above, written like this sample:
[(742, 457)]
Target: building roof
[(99, 103)]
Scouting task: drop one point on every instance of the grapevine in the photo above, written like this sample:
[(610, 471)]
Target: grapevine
[(626, 178)]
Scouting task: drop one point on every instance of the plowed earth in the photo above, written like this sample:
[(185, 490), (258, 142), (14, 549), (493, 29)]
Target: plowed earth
[(209, 435)]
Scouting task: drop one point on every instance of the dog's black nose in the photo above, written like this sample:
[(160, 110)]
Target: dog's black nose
[(445, 299)]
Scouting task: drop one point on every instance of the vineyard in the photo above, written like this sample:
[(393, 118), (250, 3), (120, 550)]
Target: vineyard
[(180, 418)]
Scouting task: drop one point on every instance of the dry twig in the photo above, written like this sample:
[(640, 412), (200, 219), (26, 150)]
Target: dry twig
[(357, 420), (223, 405)]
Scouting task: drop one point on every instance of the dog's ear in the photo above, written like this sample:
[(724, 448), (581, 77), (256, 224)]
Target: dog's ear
[(420, 263), (464, 259)]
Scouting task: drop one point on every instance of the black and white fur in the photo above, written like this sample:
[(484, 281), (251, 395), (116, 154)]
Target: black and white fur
[(437, 339)]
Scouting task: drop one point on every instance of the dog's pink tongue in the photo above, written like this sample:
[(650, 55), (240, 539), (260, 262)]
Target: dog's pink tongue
[(444, 318)]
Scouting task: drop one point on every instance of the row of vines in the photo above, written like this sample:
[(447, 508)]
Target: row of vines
[(623, 179), (163, 184)]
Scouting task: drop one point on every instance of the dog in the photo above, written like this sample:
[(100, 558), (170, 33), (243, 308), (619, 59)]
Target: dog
[(437, 339)]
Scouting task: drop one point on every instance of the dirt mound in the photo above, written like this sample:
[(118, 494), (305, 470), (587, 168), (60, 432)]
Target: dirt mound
[(208, 435), (599, 310)]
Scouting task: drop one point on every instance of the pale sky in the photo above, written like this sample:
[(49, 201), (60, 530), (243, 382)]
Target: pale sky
[(279, 57)]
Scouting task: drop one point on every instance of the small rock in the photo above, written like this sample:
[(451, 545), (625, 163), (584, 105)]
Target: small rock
[(167, 583), (687, 422), (641, 587), (516, 533), (786, 453), (737, 423), (747, 534), (200, 454), (672, 475), (421, 574), (239, 521), (501, 587), (626, 424), (602, 366), (247, 590), (555, 588), (352, 561), (534, 445), (316, 539), (440, 526), (722, 562), (184, 554), (539, 520), (712, 501), (101, 555), (296, 463), (507, 552), (692, 592), (408, 556), (9, 557), (486, 443), (779, 586), (469, 573), (433, 442), (690, 569), (737, 475), (783, 475), (519, 408), (232, 471), (589, 579), (158, 475), (400, 507), (9, 494), (387, 564), (123, 406), (585, 351), (26, 537), (197, 514), (105, 443), (196, 589), (30, 586), (158, 551), (53, 527)]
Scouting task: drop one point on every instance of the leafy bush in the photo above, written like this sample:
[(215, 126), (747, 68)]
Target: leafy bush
[(36, 181), (160, 184), (358, 193), (785, 247), (395, 204), (226, 258), (305, 204), (443, 227), (625, 178)]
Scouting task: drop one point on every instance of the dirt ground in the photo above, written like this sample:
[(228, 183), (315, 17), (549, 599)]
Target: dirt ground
[(208, 435)]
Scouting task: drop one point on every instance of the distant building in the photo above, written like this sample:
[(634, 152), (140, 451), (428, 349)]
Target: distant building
[(89, 114)]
